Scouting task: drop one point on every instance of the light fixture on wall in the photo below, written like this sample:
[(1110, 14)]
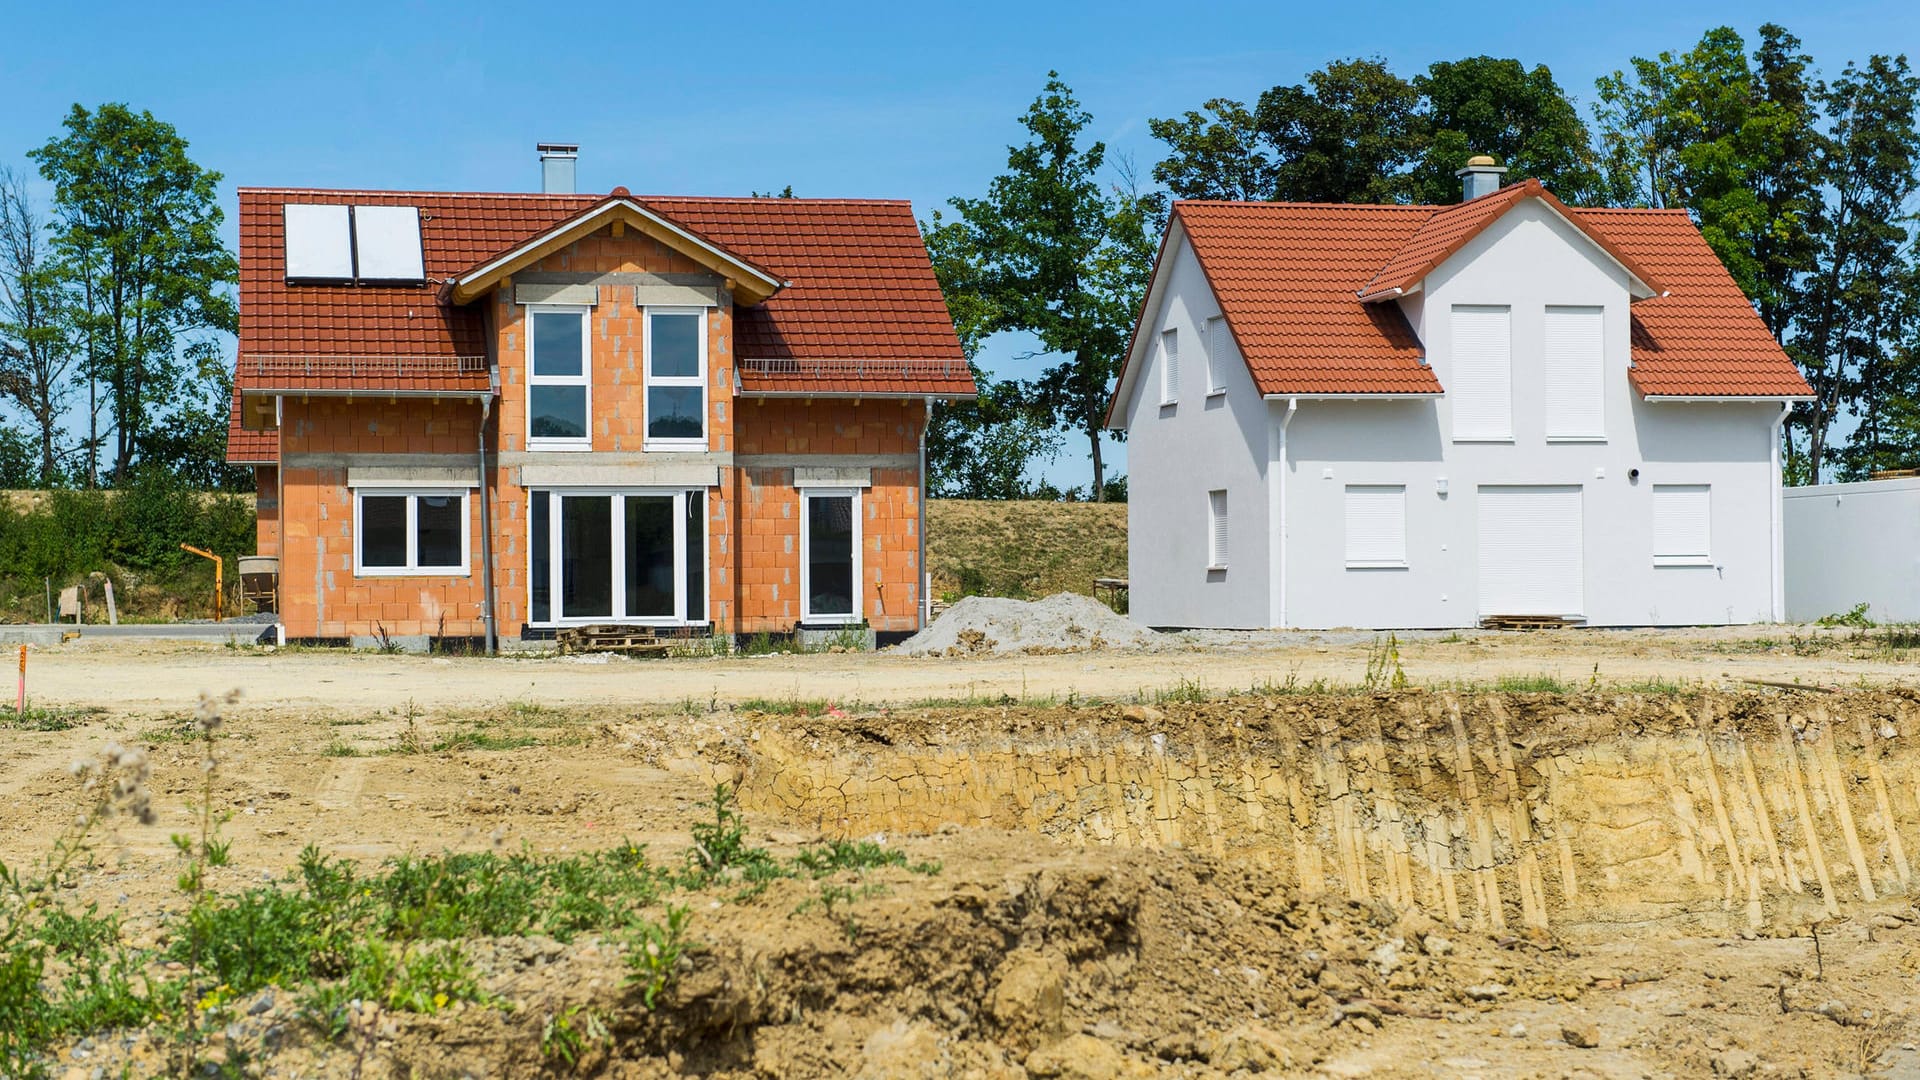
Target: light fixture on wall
[(1440, 486), (1633, 476)]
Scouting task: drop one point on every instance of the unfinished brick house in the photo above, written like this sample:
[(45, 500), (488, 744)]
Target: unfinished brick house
[(495, 415)]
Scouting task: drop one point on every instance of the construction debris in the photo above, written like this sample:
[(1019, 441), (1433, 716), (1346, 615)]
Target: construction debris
[(1063, 622)]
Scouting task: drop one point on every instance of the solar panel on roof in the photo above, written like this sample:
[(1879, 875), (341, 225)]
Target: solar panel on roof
[(387, 242), (319, 243)]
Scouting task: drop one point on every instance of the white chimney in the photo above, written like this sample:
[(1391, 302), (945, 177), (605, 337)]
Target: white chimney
[(557, 161), (1480, 177)]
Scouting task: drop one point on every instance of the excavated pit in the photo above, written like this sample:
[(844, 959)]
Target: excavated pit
[(1711, 811)]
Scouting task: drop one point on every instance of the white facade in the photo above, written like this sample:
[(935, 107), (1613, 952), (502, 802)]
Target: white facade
[(1551, 513), (1851, 544)]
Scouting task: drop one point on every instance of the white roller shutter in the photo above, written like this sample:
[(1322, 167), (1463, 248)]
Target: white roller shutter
[(1480, 384), (1531, 551), (1219, 346), (1376, 525), (1216, 530), (1682, 524), (1573, 369)]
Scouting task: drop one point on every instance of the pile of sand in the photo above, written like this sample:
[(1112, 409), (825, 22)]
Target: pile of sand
[(1063, 622)]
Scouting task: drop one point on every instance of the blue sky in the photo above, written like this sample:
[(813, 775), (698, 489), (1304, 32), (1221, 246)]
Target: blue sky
[(874, 100)]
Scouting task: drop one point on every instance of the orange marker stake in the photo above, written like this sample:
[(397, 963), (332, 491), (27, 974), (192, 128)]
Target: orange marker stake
[(20, 699)]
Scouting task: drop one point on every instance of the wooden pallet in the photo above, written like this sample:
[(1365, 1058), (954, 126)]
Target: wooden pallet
[(1526, 622), (631, 640)]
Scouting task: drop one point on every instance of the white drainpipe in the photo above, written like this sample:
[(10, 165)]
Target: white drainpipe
[(1779, 527), (1277, 514)]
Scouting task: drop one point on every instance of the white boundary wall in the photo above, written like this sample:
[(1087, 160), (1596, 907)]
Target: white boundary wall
[(1849, 544)]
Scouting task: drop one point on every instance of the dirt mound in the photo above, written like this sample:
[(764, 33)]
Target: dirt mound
[(1063, 622)]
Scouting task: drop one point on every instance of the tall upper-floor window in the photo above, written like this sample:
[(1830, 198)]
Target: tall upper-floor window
[(1169, 366), (558, 379), (1573, 368), (676, 379), (1481, 389)]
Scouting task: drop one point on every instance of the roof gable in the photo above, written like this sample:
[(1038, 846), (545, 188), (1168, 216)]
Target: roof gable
[(1448, 230), (751, 283)]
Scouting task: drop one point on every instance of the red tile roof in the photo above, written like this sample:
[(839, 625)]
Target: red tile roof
[(246, 447), (860, 289), (1288, 277)]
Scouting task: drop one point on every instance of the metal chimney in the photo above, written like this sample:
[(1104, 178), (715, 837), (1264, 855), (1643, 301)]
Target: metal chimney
[(1480, 177), (557, 162)]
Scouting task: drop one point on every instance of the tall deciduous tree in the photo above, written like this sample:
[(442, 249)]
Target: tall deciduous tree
[(1062, 255), (1519, 115), (139, 231), (1349, 135), (36, 335)]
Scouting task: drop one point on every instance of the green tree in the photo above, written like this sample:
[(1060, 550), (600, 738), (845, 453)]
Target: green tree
[(36, 333), (1349, 135), (1057, 254), (1220, 153), (139, 233), (1870, 163), (1519, 115)]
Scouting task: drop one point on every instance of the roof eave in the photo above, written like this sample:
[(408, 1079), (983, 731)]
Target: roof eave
[(1701, 399), (1355, 395), (939, 395)]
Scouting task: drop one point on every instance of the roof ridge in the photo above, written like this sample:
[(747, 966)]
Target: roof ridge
[(558, 196)]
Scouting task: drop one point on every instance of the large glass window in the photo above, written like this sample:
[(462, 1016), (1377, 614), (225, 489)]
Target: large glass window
[(830, 563), (557, 378), (620, 556), (410, 532), (676, 379)]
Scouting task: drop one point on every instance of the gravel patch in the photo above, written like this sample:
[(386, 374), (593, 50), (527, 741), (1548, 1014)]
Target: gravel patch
[(1063, 622)]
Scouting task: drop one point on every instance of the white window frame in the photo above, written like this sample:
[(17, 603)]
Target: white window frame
[(1354, 562), (859, 613), (1598, 390), (649, 381), (1661, 558), (1170, 366), (1219, 520), (1453, 344), (1219, 340), (584, 379), (683, 605), (413, 567)]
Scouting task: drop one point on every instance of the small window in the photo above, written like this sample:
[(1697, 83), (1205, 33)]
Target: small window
[(1169, 366), (1219, 353), (676, 379), (1682, 525), (557, 379), (421, 532), (1376, 526), (1216, 530)]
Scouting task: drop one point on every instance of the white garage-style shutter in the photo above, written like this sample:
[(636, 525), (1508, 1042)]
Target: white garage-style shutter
[(1169, 366), (1216, 530), (1682, 525), (1532, 542), (1574, 373), (1376, 525), (1480, 385), (1219, 350)]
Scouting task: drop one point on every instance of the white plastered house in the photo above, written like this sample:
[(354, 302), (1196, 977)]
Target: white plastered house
[(1416, 416)]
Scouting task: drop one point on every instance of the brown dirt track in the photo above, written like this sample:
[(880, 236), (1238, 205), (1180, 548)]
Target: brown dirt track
[(1440, 882)]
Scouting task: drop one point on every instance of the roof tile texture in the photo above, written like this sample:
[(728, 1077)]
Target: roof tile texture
[(1288, 277)]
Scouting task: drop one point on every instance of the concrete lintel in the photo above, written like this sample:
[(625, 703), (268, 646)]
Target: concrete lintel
[(311, 460), (833, 476), (650, 474), (909, 462)]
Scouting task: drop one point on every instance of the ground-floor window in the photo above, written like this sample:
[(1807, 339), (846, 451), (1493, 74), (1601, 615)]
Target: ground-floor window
[(830, 555), (409, 532), (636, 555)]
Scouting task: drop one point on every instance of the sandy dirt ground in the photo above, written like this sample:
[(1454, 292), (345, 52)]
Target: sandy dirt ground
[(127, 676), (1623, 880)]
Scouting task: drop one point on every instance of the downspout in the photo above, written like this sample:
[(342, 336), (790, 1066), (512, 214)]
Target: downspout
[(1778, 484), (486, 533), (923, 587), (1277, 515)]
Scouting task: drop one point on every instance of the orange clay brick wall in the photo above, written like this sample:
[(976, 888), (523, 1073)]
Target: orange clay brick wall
[(320, 595), (266, 510), (617, 395), (769, 506)]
